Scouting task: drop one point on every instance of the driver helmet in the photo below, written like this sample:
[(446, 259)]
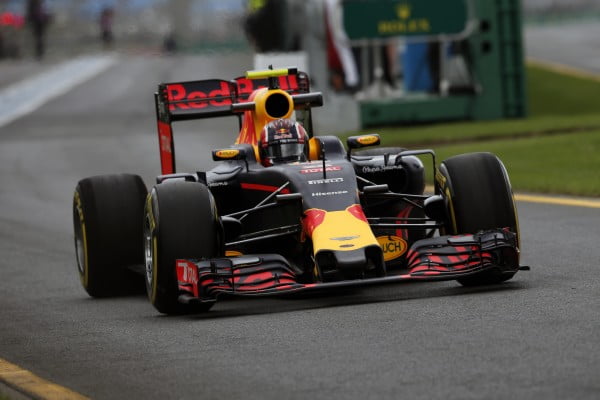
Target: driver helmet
[(283, 141)]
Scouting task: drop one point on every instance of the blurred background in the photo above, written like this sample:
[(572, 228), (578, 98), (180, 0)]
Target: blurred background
[(385, 79), (58, 29), (74, 26)]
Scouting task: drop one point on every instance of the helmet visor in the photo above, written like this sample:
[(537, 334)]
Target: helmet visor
[(286, 151)]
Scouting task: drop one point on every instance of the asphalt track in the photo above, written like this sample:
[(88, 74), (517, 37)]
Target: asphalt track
[(534, 337), (574, 45)]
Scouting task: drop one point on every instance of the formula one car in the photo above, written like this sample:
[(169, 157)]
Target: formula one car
[(335, 217)]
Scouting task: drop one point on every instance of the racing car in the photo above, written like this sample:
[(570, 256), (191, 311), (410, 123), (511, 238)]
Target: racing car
[(334, 216)]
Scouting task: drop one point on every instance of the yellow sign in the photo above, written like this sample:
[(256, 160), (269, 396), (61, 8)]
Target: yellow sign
[(392, 246)]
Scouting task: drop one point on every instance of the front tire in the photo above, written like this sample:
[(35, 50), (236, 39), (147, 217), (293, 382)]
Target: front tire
[(479, 197), (180, 223), (107, 221)]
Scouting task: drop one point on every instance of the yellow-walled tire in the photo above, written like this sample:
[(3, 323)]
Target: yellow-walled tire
[(181, 222), (479, 197), (107, 224)]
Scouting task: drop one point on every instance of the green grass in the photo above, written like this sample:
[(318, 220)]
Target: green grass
[(555, 150), (459, 132), (567, 164), (553, 93)]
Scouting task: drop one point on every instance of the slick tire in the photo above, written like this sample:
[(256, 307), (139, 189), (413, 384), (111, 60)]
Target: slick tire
[(180, 222), (108, 213), (479, 197)]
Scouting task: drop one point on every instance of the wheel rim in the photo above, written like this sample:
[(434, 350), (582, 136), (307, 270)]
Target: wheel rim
[(79, 249), (148, 251), (79, 254), (80, 238)]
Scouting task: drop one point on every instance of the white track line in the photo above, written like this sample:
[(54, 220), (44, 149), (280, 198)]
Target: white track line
[(26, 96)]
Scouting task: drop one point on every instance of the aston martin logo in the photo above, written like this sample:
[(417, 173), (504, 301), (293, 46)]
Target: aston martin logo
[(403, 11)]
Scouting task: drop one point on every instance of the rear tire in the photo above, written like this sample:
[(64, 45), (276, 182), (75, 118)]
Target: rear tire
[(108, 213), (180, 222), (479, 197)]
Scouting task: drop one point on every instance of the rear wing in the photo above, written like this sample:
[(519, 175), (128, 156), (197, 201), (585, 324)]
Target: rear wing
[(211, 98)]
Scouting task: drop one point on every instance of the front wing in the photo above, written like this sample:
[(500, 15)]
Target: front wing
[(435, 259)]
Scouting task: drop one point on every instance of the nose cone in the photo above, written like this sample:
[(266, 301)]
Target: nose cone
[(343, 240)]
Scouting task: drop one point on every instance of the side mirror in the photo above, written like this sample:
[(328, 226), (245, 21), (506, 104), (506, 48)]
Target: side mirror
[(357, 142), (228, 154)]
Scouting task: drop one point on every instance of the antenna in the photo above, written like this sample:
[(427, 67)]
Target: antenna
[(323, 158), (273, 80)]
